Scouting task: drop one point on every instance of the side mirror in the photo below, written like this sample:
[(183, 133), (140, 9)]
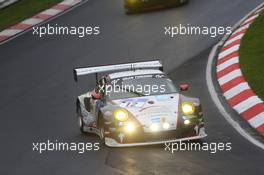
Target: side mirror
[(96, 95), (184, 87)]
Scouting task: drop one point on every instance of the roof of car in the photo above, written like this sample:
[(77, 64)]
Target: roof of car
[(134, 73)]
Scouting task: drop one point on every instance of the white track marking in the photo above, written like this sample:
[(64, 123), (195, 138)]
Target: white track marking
[(236, 90), (227, 63), (32, 21), (241, 28), (238, 37), (70, 2), (229, 51), (259, 10), (247, 104), (10, 32), (51, 12), (230, 76), (257, 121), (250, 19)]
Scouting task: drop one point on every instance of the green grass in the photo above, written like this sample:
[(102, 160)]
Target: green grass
[(21, 10), (252, 56)]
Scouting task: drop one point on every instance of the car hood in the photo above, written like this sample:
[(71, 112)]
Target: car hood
[(153, 109)]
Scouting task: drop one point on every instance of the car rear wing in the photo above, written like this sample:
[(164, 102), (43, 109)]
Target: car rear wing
[(117, 67)]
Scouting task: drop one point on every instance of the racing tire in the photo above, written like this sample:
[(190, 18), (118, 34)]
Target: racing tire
[(80, 121), (101, 128), (128, 11), (185, 2), (200, 141)]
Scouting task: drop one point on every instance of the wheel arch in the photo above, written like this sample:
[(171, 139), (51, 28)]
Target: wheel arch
[(78, 106)]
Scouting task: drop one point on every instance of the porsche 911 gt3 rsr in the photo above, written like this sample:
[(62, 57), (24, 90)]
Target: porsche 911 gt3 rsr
[(137, 104), (136, 5)]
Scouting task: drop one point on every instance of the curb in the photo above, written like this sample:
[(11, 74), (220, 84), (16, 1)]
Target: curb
[(232, 83), (5, 3), (37, 19)]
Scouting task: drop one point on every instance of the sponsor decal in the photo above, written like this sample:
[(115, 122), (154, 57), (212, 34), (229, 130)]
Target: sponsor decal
[(137, 103), (162, 97)]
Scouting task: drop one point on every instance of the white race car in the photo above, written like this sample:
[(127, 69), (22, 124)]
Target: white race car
[(137, 104)]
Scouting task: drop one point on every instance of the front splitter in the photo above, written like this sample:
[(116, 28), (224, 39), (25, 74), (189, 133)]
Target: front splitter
[(112, 143)]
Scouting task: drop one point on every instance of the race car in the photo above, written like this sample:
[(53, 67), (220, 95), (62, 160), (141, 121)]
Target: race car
[(136, 104), (139, 5)]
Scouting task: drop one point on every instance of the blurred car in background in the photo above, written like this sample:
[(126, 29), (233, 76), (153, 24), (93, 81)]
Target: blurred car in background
[(139, 5)]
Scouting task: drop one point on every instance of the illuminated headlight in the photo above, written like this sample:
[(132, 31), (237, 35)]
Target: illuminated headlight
[(121, 115), (188, 108), (166, 125), (130, 127), (132, 1), (154, 127), (187, 122)]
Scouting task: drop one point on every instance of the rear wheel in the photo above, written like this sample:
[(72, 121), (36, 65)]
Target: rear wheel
[(80, 120)]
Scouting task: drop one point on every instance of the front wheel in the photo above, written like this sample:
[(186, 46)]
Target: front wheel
[(128, 11), (184, 1), (80, 123), (101, 128)]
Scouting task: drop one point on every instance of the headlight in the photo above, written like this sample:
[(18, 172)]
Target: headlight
[(187, 122), (154, 127), (121, 115), (130, 127), (132, 1), (188, 108), (166, 125)]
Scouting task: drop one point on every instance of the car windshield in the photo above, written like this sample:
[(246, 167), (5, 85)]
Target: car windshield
[(136, 86)]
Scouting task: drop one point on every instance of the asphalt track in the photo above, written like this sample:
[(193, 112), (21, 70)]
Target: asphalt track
[(38, 92)]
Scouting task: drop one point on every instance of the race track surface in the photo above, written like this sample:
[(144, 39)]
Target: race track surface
[(38, 92)]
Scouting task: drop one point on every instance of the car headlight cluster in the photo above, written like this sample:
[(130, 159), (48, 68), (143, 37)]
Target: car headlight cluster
[(130, 127), (154, 127), (132, 1), (187, 122), (188, 108), (165, 125), (121, 115)]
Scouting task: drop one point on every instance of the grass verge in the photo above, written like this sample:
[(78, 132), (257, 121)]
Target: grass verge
[(252, 56), (21, 10)]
